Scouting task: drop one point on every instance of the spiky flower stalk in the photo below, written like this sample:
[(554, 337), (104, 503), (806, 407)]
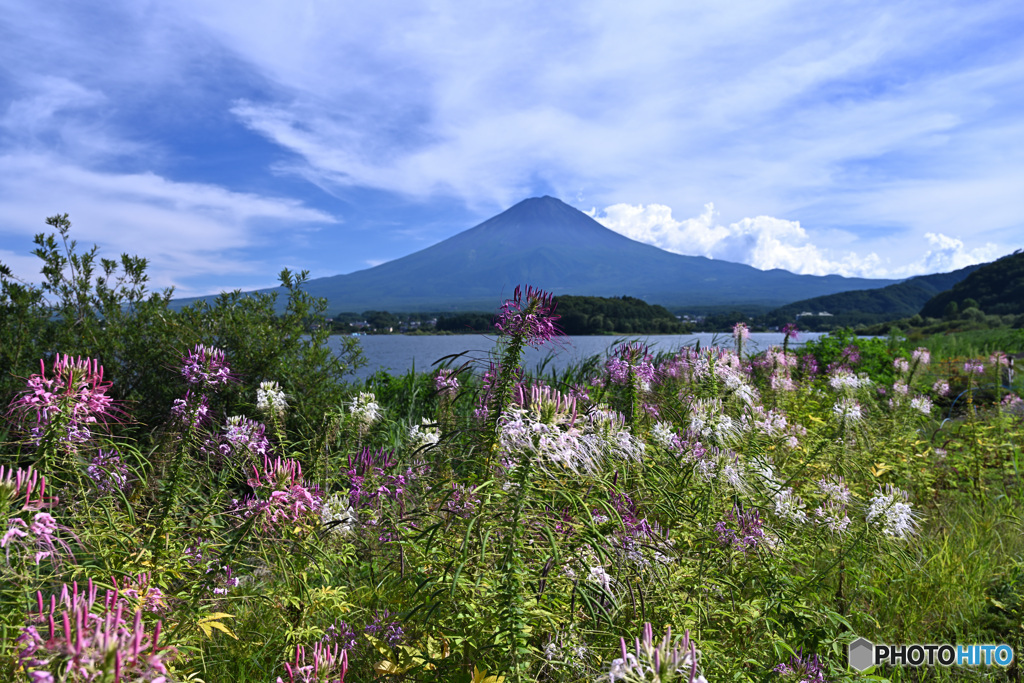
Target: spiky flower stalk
[(446, 383), (326, 665), (273, 403), (23, 483), (631, 365), (527, 319), (790, 331), (205, 369), (664, 661), (740, 333), (76, 637), (65, 407)]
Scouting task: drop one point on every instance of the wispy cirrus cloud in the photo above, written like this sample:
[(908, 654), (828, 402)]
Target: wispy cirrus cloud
[(190, 232), (869, 125)]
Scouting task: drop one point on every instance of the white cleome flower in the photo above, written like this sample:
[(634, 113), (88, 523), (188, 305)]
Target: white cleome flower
[(789, 506), (364, 409), (663, 434), (921, 403), (271, 399), (424, 435), (337, 510), (847, 380), (847, 409), (890, 510)]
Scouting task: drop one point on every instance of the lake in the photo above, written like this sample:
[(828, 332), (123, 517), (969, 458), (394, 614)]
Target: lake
[(398, 353)]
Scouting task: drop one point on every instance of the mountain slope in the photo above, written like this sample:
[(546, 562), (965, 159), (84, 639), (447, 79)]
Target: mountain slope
[(869, 306), (549, 244), (997, 288)]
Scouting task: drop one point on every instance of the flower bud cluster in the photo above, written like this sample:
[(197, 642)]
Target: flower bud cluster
[(666, 661), (83, 639), (324, 664), (74, 396)]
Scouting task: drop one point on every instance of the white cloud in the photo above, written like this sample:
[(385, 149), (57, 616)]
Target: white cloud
[(766, 243), (902, 114), (187, 230)]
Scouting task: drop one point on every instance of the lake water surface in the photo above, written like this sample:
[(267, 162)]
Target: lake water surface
[(398, 353)]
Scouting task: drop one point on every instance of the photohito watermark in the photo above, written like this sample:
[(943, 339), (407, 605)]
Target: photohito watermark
[(863, 654)]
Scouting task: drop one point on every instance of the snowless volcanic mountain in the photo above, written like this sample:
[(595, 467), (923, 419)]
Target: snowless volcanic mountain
[(551, 245)]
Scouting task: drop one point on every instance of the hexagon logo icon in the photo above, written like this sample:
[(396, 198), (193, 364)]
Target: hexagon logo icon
[(861, 654)]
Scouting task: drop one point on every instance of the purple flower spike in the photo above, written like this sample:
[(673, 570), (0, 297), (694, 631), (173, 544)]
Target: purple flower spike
[(802, 668), (530, 315), (76, 390), (205, 367), (108, 472), (88, 632), (327, 665), (741, 530), (446, 383)]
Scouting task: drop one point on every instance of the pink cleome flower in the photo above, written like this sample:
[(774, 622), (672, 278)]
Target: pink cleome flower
[(446, 383), (206, 367), (327, 664), (75, 390), (530, 315), (281, 496), (91, 639)]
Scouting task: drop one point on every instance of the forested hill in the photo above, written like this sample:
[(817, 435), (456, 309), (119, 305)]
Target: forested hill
[(996, 288), (595, 315), (585, 315), (869, 306)]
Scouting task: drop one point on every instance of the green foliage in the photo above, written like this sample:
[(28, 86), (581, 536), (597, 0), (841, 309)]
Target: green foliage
[(875, 356), (626, 315), (434, 544), (868, 306), (106, 312), (995, 288)]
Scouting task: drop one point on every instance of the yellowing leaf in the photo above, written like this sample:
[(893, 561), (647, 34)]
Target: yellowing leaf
[(482, 677), (210, 622)]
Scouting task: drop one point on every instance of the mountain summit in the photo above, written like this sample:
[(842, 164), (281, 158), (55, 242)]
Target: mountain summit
[(547, 243)]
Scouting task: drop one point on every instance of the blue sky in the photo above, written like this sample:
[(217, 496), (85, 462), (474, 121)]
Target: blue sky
[(226, 140)]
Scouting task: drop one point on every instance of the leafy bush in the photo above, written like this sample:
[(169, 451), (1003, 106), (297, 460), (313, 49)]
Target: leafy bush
[(105, 312)]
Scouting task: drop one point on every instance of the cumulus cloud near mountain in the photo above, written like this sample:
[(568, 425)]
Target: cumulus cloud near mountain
[(766, 242)]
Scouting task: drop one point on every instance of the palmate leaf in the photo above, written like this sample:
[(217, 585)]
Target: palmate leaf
[(407, 657), (482, 677), (211, 621)]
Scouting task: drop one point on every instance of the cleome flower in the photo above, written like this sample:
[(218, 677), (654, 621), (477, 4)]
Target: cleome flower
[(323, 664), (446, 383), (205, 367), (271, 399), (890, 511), (741, 530), (666, 661), (424, 435), (281, 496), (630, 360), (789, 506), (22, 495), (245, 438), (529, 314), (338, 515), (86, 639), (847, 409), (73, 399), (364, 410), (108, 472)]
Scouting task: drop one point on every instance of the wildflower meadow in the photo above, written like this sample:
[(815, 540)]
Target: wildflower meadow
[(701, 515)]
